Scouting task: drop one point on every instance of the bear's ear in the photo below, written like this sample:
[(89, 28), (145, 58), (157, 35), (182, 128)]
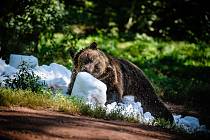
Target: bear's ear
[(93, 46)]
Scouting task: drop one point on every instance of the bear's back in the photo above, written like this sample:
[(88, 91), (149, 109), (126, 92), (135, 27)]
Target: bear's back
[(135, 81)]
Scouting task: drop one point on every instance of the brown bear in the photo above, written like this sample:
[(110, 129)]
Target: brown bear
[(121, 77)]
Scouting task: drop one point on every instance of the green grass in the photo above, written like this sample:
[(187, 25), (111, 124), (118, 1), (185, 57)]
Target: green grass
[(68, 104), (56, 101), (27, 98), (144, 48)]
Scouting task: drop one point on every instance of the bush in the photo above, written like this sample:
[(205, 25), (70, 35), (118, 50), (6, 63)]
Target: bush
[(24, 79), (23, 26)]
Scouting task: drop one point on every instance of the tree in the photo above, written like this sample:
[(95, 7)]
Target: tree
[(29, 20)]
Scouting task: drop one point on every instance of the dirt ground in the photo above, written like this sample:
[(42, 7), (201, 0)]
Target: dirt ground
[(28, 124)]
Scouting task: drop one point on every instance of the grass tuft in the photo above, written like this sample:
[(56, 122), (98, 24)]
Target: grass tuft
[(44, 99)]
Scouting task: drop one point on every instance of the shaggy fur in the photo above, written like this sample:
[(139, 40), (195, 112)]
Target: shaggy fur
[(121, 77)]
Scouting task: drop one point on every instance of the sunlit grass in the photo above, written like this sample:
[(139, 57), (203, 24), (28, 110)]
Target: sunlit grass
[(144, 48), (56, 102), (68, 104), (27, 98)]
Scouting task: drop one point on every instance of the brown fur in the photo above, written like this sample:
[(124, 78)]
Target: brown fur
[(121, 77)]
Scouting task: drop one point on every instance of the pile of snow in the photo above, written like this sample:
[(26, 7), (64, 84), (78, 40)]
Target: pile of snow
[(6, 70), (130, 108), (92, 90), (16, 60), (55, 76), (190, 124)]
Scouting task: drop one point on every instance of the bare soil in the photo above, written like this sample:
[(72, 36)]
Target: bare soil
[(28, 124)]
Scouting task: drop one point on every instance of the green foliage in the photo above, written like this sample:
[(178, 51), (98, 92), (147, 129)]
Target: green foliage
[(159, 18), (24, 79), (38, 16), (25, 22), (95, 112), (22, 28), (56, 48), (163, 123)]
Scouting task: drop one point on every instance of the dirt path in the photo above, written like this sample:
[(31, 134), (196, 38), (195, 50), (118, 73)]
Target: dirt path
[(23, 123)]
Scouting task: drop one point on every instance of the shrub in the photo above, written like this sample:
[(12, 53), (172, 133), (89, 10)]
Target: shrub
[(24, 79)]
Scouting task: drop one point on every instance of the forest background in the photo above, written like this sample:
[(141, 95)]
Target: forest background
[(169, 40)]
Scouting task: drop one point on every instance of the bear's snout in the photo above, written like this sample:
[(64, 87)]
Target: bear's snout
[(87, 68)]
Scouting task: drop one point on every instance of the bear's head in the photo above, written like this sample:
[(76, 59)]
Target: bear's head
[(91, 60)]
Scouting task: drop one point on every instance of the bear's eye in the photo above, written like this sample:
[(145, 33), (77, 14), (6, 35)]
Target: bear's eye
[(97, 67), (87, 60), (90, 60)]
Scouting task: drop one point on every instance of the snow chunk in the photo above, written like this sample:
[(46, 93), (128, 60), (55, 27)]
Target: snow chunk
[(55, 76), (16, 60), (148, 117), (89, 88), (128, 99), (189, 124), (6, 69), (130, 108), (5, 72)]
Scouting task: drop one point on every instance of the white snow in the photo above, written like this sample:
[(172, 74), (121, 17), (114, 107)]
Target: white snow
[(130, 108), (16, 60), (6, 70), (189, 124), (92, 90), (55, 76)]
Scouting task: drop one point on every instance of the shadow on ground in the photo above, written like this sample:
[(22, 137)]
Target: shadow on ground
[(23, 123)]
